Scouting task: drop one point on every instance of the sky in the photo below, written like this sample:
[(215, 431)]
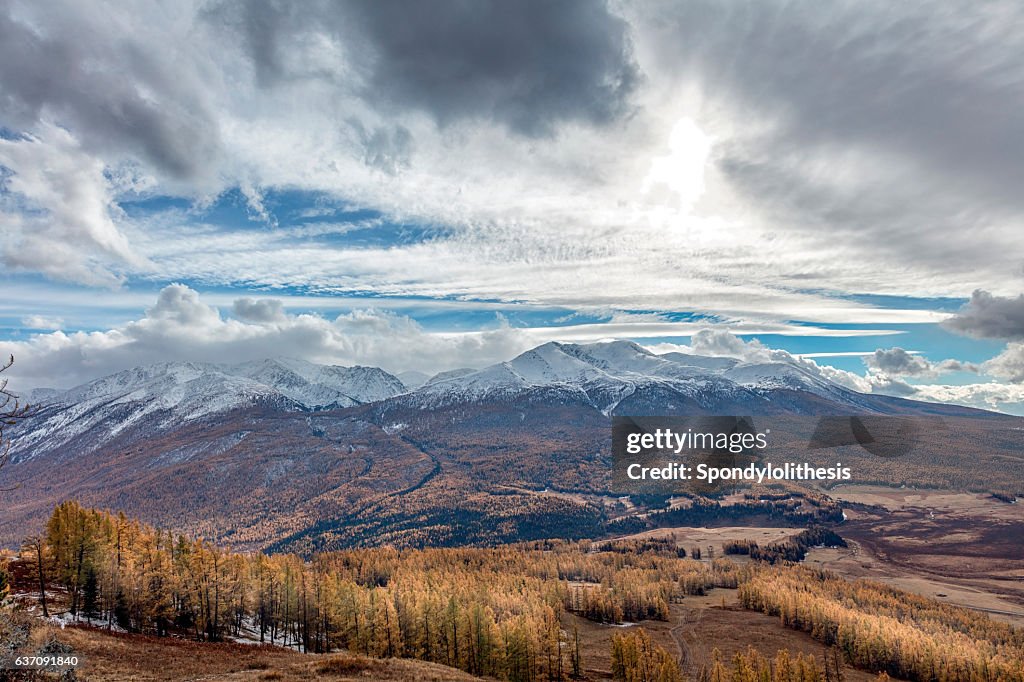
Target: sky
[(423, 186)]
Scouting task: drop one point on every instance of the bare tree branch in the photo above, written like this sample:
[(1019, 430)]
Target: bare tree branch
[(12, 410)]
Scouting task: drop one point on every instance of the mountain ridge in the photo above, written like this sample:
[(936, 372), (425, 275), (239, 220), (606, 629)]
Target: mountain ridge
[(290, 455), (611, 377)]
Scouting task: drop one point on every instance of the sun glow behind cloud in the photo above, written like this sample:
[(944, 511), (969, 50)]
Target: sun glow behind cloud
[(682, 169)]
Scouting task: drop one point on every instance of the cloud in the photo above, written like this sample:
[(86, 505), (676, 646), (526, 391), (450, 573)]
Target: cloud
[(57, 209), (885, 367), (883, 383), (990, 396), (987, 316), (899, 362), (180, 326), (42, 322), (886, 127), (122, 83), (807, 162), (388, 150), (262, 311), (527, 65), (1009, 364), (723, 343), (179, 306)]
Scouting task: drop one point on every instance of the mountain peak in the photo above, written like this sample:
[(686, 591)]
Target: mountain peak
[(166, 394)]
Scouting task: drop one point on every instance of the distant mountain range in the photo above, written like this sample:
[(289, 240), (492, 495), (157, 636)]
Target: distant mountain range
[(610, 377), (285, 453), (615, 377)]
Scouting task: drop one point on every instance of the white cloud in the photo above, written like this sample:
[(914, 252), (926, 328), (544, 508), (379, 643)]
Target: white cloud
[(57, 213), (990, 396), (643, 329), (261, 311), (1009, 364), (42, 322), (723, 343), (180, 326), (883, 377)]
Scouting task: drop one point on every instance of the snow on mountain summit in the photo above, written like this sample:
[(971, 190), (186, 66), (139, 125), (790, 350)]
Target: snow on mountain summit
[(318, 386), (607, 373), (780, 375), (609, 376), (165, 395)]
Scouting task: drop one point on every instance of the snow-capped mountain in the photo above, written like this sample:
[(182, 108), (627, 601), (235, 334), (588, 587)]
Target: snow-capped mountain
[(449, 374), (606, 374), (166, 395), (618, 377), (321, 386)]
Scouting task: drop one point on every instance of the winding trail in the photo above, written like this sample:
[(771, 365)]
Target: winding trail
[(685, 657)]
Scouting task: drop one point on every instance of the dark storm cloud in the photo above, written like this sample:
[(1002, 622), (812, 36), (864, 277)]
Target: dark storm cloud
[(990, 317), (528, 65), (87, 72)]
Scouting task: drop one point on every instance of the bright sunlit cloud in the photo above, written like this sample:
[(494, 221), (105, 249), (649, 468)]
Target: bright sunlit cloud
[(682, 169)]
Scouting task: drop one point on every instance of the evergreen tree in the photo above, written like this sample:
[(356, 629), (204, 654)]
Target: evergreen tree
[(90, 594)]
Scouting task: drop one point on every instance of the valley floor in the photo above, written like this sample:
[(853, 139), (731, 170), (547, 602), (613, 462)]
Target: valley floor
[(961, 548)]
